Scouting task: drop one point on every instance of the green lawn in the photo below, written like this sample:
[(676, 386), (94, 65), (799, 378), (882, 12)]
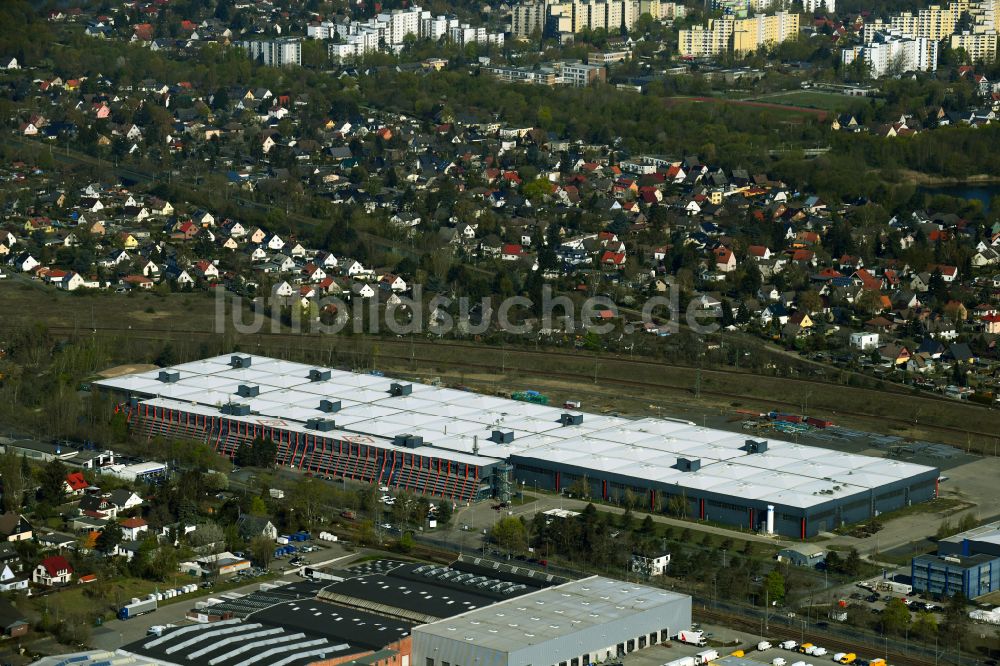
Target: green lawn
[(93, 600)]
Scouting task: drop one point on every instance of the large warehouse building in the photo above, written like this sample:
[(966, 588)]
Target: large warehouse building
[(468, 447), (392, 613), (582, 622)]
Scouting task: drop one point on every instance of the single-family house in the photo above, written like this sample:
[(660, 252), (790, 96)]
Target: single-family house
[(54, 570), (725, 260), (75, 484), (123, 499), (11, 580), (13, 622), (132, 528), (14, 527), (864, 341), (250, 526), (393, 283)]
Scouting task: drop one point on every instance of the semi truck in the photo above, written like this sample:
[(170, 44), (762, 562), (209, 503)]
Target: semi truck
[(696, 638), (137, 607)]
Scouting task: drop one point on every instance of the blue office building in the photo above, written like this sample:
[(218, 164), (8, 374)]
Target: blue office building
[(973, 575)]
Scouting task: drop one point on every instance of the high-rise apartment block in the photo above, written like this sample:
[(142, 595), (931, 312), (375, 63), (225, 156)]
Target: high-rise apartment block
[(283, 52), (739, 35)]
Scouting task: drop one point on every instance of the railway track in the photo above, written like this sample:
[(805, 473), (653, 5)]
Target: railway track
[(406, 351)]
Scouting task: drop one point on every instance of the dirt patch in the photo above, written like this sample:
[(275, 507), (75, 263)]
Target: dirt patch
[(148, 316), (120, 370)]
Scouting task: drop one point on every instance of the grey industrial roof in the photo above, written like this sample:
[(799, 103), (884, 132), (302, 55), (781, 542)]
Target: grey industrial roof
[(91, 658), (428, 589), (450, 421), (551, 613), (988, 533), (336, 623), (238, 643), (963, 561)]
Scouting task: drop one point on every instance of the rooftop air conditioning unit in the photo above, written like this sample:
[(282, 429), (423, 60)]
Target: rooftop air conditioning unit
[(502, 436), (323, 425), (755, 446), (408, 441), (398, 389), (239, 361), (568, 419), (248, 391), (318, 375), (688, 464), (329, 406), (236, 409), (169, 376)]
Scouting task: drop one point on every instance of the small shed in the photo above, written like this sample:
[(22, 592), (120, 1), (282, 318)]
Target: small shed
[(802, 555)]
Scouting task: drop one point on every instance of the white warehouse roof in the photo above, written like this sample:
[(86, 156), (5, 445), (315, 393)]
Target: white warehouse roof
[(450, 420)]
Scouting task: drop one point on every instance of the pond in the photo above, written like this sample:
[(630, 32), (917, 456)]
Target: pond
[(983, 192)]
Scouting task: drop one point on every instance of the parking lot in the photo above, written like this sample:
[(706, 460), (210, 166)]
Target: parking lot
[(658, 655), (661, 654)]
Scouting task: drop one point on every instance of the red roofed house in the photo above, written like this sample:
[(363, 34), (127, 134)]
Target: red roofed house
[(613, 259), (948, 273), (991, 324), (53, 570), (759, 252), (830, 273), (804, 256), (185, 230), (725, 260), (132, 528), (75, 484), (143, 32), (139, 282), (868, 281), (511, 252), (206, 270)]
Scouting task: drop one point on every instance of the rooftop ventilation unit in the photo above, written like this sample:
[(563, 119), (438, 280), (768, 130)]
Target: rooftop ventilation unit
[(323, 425), (408, 441), (754, 446), (329, 406), (398, 389), (568, 419), (238, 361), (236, 409), (248, 391), (318, 375), (502, 436), (169, 376), (688, 465)]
